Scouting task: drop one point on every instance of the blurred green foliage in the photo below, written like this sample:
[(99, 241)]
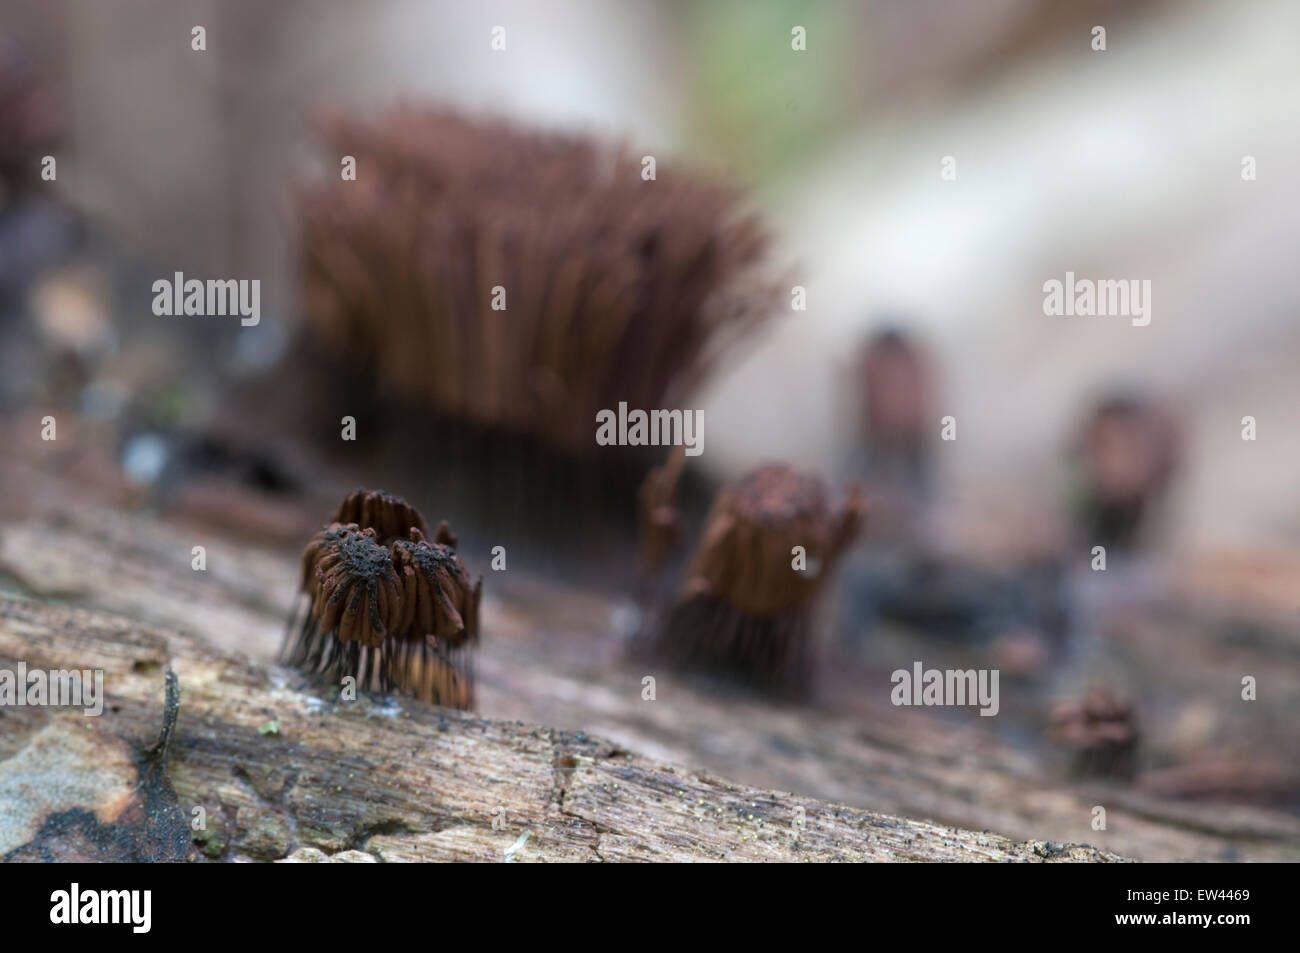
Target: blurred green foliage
[(756, 104)]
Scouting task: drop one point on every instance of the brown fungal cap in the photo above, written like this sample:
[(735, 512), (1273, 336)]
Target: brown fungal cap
[(320, 545), (778, 495), (437, 595), (1101, 728), (357, 589), (1127, 457), (746, 555), (391, 517), (445, 535)]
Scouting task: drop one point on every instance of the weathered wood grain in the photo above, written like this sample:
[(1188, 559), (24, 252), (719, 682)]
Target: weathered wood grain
[(392, 780), (552, 656)]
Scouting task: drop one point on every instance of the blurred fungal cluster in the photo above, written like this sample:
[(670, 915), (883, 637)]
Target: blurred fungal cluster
[(619, 288), (745, 608)]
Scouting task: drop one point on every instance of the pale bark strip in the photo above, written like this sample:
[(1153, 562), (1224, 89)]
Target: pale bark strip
[(393, 780)]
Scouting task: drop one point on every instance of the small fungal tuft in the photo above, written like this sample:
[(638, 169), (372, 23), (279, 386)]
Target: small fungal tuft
[(1101, 730), (745, 607), (385, 606)]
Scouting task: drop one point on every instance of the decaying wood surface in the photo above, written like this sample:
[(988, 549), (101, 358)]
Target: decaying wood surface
[(282, 773), (402, 780)]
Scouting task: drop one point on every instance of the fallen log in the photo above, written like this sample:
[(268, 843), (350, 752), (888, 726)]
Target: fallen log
[(241, 761), (552, 655)]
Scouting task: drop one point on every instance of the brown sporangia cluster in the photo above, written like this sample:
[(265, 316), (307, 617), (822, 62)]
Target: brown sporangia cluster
[(659, 524), (617, 288), (1127, 455), (896, 394), (388, 515), (386, 606), (1101, 729), (353, 585), (745, 609), (28, 117)]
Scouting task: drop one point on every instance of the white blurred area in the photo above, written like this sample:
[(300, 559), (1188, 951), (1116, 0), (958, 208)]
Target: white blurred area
[(1122, 164)]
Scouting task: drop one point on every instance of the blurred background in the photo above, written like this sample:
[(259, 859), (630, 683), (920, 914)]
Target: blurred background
[(1116, 164), (924, 300)]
